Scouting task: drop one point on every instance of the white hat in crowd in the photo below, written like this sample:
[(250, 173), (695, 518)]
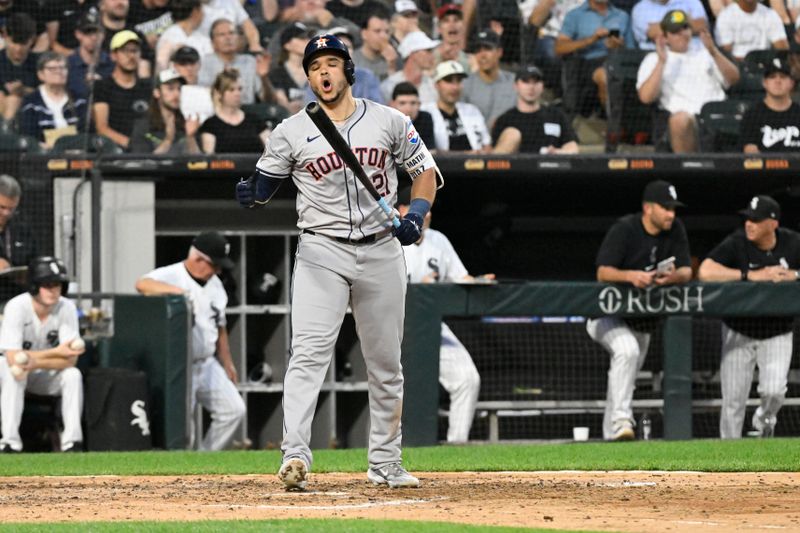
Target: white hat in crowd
[(449, 68), (414, 42), (405, 6)]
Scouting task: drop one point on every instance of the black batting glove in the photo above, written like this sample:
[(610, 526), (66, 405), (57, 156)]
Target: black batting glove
[(410, 229)]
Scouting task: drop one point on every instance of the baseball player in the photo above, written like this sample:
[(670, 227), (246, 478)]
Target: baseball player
[(346, 254), (213, 384), (644, 249), (41, 324), (433, 259), (761, 251)]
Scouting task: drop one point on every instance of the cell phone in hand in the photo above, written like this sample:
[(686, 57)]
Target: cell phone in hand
[(613, 33), (666, 265)]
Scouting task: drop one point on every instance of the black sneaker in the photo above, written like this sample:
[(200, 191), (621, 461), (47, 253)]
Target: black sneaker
[(8, 449)]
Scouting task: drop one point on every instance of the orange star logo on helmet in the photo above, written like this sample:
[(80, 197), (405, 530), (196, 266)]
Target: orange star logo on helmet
[(321, 42)]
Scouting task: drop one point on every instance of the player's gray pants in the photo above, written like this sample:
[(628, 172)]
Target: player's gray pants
[(740, 355), (628, 349), (328, 276), (67, 383), (212, 388), (460, 378)]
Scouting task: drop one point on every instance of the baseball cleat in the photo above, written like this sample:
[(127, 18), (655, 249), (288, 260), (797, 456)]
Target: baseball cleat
[(764, 426), (623, 432), (293, 473), (393, 475)]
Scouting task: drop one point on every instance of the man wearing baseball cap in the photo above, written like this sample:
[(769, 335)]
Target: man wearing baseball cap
[(88, 34), (453, 33), (457, 126), (682, 80), (213, 374), (490, 88), (164, 130), (644, 249), (416, 50), (121, 98), (771, 125), (405, 19), (760, 252), (530, 127)]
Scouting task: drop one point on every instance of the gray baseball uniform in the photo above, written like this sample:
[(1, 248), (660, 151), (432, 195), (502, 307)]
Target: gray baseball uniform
[(23, 330), (210, 384), (435, 258), (346, 255)]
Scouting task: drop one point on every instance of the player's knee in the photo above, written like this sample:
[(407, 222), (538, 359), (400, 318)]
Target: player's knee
[(235, 410), (473, 381), (71, 376), (626, 354)]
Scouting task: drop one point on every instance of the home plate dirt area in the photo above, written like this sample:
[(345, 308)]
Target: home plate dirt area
[(615, 501)]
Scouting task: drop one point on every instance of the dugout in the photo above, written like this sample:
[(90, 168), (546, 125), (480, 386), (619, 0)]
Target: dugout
[(522, 217)]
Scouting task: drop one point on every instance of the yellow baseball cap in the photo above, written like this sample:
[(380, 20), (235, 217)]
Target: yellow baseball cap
[(121, 38)]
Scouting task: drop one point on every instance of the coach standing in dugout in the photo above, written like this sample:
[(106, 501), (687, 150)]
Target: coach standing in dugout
[(348, 254), (647, 249), (761, 251), (214, 376)]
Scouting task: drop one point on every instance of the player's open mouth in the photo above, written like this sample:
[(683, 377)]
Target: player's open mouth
[(327, 85)]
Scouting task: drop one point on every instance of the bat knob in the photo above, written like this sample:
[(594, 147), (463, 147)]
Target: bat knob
[(312, 107)]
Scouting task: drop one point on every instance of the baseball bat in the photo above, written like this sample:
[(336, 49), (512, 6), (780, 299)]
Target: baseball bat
[(328, 130)]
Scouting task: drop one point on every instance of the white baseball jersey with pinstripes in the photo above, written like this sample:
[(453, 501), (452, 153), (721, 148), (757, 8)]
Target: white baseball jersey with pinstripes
[(435, 255), (330, 200)]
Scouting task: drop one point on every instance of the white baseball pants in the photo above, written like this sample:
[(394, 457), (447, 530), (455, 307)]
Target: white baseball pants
[(628, 349), (67, 383), (740, 355), (460, 378), (212, 388)]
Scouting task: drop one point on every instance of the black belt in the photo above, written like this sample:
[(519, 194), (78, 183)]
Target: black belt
[(369, 239)]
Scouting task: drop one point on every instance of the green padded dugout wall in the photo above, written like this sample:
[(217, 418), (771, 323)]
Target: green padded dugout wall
[(151, 333), (427, 304)]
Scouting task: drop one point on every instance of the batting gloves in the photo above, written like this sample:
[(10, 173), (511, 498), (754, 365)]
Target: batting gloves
[(410, 229), (245, 194)]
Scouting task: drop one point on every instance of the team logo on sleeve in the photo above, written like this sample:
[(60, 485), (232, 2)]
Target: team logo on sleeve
[(412, 136)]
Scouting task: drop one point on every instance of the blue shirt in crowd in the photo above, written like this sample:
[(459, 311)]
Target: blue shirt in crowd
[(648, 12), (583, 21), (77, 69)]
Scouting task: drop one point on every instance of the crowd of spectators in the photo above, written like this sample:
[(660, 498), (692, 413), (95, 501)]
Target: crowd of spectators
[(205, 76)]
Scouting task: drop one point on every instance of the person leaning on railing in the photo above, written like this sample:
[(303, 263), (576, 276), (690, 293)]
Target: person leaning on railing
[(643, 249), (760, 252)]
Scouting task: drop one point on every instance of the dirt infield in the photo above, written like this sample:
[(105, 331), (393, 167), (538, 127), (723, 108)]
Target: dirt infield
[(619, 501)]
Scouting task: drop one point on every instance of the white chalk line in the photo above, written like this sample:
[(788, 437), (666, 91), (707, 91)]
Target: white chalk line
[(365, 505)]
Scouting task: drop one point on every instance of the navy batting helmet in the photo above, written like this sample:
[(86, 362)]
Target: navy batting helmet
[(47, 269), (330, 43)]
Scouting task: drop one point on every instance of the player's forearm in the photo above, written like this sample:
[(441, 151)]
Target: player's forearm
[(151, 287), (424, 186), (609, 274), (710, 270)]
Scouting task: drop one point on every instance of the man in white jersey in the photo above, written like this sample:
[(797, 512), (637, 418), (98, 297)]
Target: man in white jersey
[(432, 259), (213, 384), (41, 324), (345, 254)]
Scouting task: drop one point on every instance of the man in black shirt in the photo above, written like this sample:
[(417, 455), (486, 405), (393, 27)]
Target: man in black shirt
[(644, 249), (773, 125), (17, 244), (17, 63), (405, 98), (530, 127), (760, 252), (123, 97)]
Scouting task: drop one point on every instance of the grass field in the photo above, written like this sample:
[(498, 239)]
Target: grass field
[(749, 455)]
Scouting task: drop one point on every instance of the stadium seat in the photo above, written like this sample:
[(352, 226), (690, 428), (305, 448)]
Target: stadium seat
[(86, 143), (14, 142), (271, 114), (628, 118), (749, 88), (720, 123)]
